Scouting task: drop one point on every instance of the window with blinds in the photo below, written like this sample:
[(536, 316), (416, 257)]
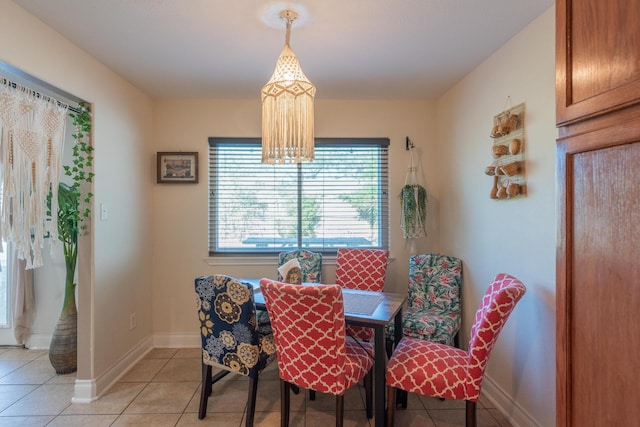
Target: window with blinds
[(341, 199)]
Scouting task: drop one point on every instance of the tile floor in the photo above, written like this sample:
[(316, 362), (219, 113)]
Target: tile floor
[(163, 389)]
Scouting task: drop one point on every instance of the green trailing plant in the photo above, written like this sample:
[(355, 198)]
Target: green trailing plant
[(414, 210), (82, 159), (73, 206)]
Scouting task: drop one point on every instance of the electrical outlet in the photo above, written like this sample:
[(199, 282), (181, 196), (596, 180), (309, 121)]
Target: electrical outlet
[(132, 321)]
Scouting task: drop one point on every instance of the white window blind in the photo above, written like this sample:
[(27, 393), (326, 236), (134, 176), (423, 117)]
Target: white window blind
[(341, 199)]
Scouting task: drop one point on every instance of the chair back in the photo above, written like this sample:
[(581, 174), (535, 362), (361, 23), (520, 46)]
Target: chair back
[(363, 269), (309, 330), (310, 264), (497, 304), (435, 283), (229, 336)]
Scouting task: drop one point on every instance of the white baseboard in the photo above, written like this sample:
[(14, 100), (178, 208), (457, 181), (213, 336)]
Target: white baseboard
[(177, 341), (86, 391), (504, 403), (38, 341)]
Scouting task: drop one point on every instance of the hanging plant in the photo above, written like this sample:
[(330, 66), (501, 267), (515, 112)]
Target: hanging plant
[(414, 211), (413, 199)]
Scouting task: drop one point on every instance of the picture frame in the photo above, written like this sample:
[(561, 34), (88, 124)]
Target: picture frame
[(177, 167)]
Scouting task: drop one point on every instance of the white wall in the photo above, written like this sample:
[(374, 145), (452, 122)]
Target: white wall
[(180, 211), (115, 260), (514, 236)]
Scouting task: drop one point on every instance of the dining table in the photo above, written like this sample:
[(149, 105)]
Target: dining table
[(370, 309)]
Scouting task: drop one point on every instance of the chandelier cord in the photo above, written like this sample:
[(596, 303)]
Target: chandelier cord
[(289, 22)]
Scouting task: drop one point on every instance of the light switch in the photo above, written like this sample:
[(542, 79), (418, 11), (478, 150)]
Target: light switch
[(104, 212)]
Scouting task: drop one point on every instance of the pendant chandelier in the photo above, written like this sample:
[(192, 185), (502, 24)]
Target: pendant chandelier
[(287, 108)]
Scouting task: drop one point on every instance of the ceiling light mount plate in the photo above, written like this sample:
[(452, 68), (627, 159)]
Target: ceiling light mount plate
[(289, 14), (275, 15)]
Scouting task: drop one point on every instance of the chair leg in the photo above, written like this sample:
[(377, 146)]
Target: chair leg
[(368, 392), (403, 397), (391, 405), (205, 390), (284, 403), (339, 411), (471, 414), (251, 401), (312, 395)]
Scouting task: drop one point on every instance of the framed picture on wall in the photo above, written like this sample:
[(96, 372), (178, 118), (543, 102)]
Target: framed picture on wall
[(177, 168)]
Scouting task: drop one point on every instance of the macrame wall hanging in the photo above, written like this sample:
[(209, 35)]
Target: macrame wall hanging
[(32, 138), (413, 199)]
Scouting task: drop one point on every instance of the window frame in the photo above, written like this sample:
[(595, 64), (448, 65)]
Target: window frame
[(383, 229)]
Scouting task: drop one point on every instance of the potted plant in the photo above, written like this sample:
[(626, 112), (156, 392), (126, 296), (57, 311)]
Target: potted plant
[(414, 211), (71, 215)]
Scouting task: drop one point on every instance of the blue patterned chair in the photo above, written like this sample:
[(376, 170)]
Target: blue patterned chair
[(310, 264), (434, 311), (231, 339)]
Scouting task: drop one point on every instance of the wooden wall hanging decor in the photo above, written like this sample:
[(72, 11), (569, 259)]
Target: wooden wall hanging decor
[(508, 167)]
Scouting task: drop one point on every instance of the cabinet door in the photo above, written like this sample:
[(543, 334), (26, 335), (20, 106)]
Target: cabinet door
[(598, 274), (597, 57)]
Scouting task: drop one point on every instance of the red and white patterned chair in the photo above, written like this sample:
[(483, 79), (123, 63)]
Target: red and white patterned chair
[(310, 269), (363, 269), (439, 370), (312, 349)]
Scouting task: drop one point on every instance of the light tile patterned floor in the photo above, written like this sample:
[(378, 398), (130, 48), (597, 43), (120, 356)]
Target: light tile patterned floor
[(163, 389)]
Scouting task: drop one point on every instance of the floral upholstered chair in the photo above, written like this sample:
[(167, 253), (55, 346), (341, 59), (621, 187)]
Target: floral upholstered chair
[(231, 340), (434, 312), (364, 269), (310, 264), (313, 350), (439, 370), (310, 268)]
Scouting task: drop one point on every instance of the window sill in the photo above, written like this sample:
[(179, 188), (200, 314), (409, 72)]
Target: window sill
[(262, 260), (257, 260)]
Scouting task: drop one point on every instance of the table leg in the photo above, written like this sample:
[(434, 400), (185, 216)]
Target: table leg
[(401, 395), (397, 328), (379, 375)]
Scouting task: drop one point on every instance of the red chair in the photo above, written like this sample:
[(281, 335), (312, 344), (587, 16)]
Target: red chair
[(363, 269), (311, 346), (439, 370)]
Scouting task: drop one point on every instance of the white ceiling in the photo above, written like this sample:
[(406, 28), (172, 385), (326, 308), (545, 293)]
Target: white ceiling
[(350, 49)]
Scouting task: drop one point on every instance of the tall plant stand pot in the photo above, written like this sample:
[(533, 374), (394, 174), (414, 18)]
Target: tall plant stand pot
[(63, 350)]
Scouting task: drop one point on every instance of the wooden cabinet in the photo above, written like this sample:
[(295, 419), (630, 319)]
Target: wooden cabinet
[(597, 57), (598, 190)]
